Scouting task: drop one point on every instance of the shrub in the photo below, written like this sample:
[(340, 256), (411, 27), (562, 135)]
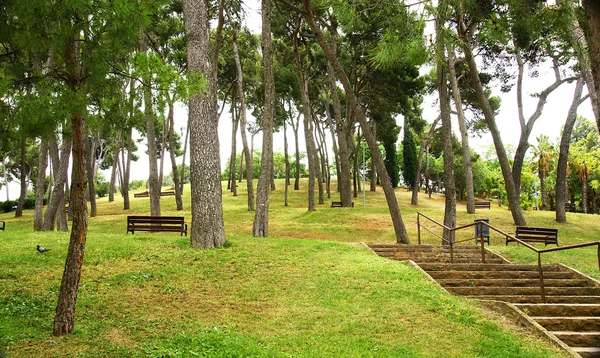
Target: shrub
[(8, 205)]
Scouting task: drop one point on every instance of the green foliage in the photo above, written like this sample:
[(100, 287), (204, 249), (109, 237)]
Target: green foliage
[(137, 184), (102, 188), (7, 206)]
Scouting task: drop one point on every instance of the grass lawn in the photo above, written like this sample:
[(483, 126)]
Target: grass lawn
[(309, 290)]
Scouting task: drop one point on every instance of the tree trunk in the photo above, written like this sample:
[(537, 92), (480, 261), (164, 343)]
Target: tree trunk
[(161, 170), (399, 228), (113, 174), (425, 144), (126, 169), (592, 36), (563, 156), (176, 178), (295, 126), (90, 164), (67, 299), (287, 165), (232, 160), (464, 135), (344, 185), (23, 165), (442, 86), (185, 144), (307, 120), (38, 219), (261, 219), (153, 183), (584, 189), (205, 166), (511, 189), (60, 167)]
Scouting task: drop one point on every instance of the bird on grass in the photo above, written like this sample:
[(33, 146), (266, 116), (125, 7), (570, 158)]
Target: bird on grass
[(42, 249)]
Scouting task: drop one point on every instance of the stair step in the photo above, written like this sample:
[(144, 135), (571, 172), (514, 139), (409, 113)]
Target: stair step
[(587, 352), (561, 310), (438, 275), (579, 339), (538, 298), (502, 282), (550, 291), (488, 267), (582, 324), (446, 260)]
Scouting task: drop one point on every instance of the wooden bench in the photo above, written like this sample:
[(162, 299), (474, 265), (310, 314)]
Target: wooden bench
[(482, 204), (535, 234), (2, 225), (338, 204), (570, 207), (156, 223), (167, 193), (144, 194)]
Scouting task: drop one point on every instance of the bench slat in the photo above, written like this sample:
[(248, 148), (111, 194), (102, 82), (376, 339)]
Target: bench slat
[(536, 234), (157, 223)]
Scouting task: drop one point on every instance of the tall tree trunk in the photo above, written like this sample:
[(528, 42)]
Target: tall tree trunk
[(336, 156), (261, 219), (464, 135), (399, 228), (5, 175), (90, 164), (563, 156), (295, 125), (415, 189), (126, 168), (185, 144), (38, 219), (511, 189), (242, 100), (176, 178), (592, 36), (527, 126), (205, 165), (232, 160), (23, 165), (161, 170), (113, 174), (311, 151), (543, 189), (287, 165), (442, 86), (341, 126), (55, 212), (64, 320), (153, 183), (584, 189)]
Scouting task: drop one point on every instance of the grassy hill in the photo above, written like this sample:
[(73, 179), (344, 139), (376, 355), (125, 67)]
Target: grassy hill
[(309, 290)]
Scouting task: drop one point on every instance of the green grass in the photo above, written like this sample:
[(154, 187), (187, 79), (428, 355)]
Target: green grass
[(309, 290)]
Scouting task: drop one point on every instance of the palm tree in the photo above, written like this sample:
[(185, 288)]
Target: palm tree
[(544, 153)]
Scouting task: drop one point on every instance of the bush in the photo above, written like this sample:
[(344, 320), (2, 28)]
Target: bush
[(7, 206), (102, 189)]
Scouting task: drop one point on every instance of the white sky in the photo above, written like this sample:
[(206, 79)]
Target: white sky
[(550, 123)]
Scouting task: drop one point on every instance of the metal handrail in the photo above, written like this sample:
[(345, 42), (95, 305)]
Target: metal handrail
[(513, 238)]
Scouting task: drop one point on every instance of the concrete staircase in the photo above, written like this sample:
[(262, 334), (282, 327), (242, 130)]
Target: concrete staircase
[(572, 309)]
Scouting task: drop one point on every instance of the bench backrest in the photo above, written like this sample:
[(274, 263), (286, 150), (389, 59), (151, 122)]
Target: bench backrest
[(536, 231), (175, 220)]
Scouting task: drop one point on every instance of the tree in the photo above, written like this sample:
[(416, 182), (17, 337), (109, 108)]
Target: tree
[(591, 27), (399, 228), (543, 156), (260, 227), (207, 209), (409, 155)]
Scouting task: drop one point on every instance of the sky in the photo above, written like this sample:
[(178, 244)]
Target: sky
[(550, 122)]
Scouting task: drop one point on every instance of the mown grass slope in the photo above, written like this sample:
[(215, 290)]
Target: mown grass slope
[(309, 290)]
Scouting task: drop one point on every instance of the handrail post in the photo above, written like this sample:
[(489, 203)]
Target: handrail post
[(541, 277), (481, 241), (419, 228), (598, 246), (451, 252)]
